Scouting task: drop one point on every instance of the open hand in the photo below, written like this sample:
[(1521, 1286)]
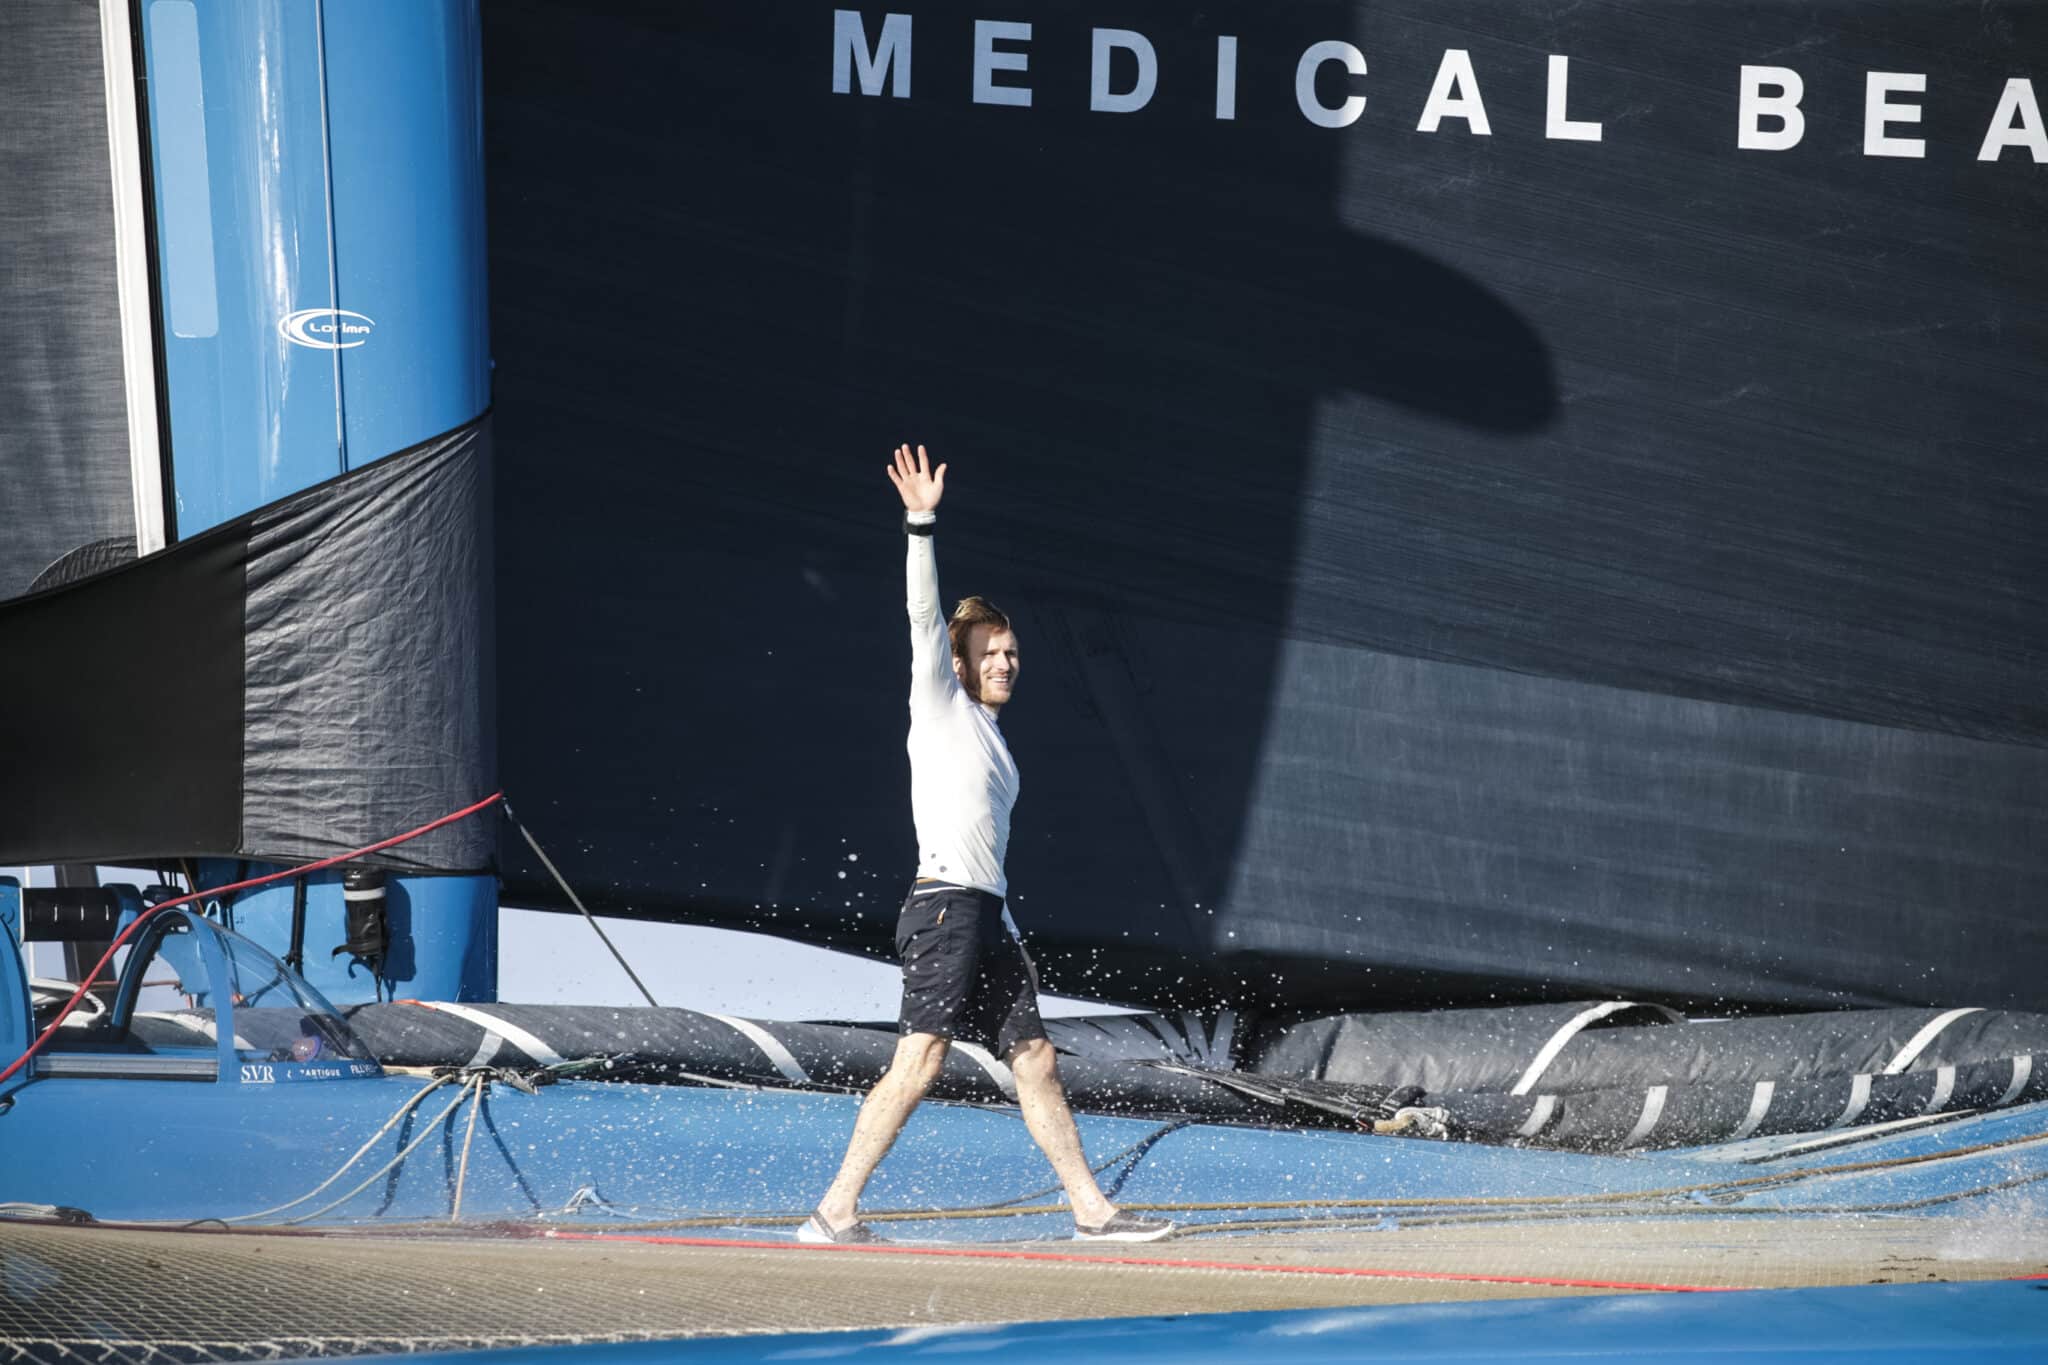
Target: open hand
[(920, 484)]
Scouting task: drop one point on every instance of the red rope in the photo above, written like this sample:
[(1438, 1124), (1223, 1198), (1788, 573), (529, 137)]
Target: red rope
[(137, 923), (1077, 1258)]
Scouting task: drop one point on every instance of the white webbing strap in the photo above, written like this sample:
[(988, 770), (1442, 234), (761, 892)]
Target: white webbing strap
[(1944, 1088), (540, 1052), (1546, 1105), (1859, 1100), (2022, 1068), (1548, 1053), (1653, 1109), (486, 1049), (771, 1046), (1927, 1034), (997, 1072), (1759, 1105)]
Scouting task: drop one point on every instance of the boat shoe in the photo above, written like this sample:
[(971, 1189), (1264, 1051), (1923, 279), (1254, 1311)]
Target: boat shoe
[(1124, 1227), (818, 1232)]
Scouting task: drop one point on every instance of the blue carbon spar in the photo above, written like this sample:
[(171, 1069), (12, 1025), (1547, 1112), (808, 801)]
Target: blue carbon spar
[(318, 182)]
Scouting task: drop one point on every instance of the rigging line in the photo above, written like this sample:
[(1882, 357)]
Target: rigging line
[(1000, 1209), (1589, 1201), (1369, 1212), (1647, 1210), (1139, 1151), (426, 1132), (50, 1030), (476, 1102), (1032, 1210), (1408, 1213), (406, 1151), (1736, 1210), (362, 1151), (1083, 1258), (333, 264), (1597, 1199), (1133, 1153), (1372, 1215), (570, 892)]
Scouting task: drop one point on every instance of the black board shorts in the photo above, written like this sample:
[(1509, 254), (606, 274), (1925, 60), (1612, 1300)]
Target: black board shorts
[(964, 977)]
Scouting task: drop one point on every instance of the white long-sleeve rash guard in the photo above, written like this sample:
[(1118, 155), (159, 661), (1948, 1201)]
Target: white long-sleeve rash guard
[(963, 782)]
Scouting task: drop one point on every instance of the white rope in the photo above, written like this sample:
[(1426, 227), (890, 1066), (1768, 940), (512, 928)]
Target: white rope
[(476, 1081), (410, 1104)]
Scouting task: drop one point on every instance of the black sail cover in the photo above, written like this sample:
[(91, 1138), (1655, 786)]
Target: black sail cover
[(1499, 500), (297, 683)]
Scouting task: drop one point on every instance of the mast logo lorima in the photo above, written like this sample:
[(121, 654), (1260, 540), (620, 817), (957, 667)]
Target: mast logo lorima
[(326, 329)]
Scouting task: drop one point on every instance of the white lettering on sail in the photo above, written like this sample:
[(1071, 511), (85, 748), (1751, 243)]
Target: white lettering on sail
[(1106, 101), (889, 55), (1555, 124), (1770, 103), (1787, 89), (1311, 62), (1879, 113), (2017, 123), (1455, 95), (1226, 77), (988, 61)]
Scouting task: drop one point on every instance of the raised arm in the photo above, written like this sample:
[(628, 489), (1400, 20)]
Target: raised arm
[(931, 657)]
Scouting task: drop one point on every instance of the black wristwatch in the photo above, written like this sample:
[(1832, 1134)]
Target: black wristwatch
[(917, 528)]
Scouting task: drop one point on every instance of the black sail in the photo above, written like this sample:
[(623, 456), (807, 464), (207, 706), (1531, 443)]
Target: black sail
[(1449, 566), (64, 457)]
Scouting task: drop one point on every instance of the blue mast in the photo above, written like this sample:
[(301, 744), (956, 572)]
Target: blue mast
[(317, 181)]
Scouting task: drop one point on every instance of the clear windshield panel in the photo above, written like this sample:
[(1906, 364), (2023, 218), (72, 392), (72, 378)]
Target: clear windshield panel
[(175, 978), (173, 1013), (278, 1017)]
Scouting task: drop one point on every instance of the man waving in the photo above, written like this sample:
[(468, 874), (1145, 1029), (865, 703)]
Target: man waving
[(965, 975)]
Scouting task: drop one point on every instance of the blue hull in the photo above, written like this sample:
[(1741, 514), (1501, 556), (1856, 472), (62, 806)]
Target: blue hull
[(645, 1153), (1919, 1323)]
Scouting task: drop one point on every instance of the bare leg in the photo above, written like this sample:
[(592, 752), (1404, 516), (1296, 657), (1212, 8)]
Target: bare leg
[(919, 1056), (1044, 1101)]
